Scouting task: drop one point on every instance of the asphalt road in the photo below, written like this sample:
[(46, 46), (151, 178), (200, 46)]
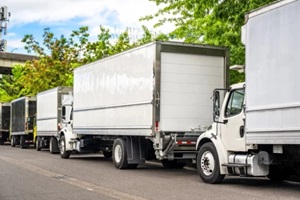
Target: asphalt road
[(26, 174)]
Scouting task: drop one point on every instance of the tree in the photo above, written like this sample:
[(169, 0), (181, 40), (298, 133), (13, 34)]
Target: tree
[(10, 86), (214, 22), (58, 57)]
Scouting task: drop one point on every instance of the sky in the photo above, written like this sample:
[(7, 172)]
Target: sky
[(64, 16)]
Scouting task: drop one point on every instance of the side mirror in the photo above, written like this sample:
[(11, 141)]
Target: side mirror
[(216, 105)]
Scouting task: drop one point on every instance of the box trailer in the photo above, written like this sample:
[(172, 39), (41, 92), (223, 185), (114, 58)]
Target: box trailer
[(23, 113), (4, 122), (257, 131), (149, 102), (48, 118)]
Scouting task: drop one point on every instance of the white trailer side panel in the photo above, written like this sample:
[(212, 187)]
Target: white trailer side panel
[(114, 95), (187, 82), (47, 112), (273, 69)]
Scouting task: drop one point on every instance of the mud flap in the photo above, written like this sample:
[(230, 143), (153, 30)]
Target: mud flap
[(136, 150)]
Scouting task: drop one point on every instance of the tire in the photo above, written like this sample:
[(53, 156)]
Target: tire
[(277, 174), (107, 154), (62, 145), (53, 145), (1, 141), (12, 141), (208, 166), (37, 144), (120, 154), (22, 142), (173, 164)]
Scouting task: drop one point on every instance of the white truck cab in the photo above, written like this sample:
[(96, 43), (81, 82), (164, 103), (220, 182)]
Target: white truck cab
[(222, 149), (256, 132)]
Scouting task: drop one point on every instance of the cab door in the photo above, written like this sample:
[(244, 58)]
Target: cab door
[(232, 130)]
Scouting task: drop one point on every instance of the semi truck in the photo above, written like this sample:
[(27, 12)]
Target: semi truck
[(23, 113), (150, 102), (256, 131), (4, 122), (48, 118)]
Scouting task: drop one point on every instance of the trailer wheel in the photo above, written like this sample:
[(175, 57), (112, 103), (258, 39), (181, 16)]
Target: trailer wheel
[(12, 141), (37, 144), (63, 152), (53, 146), (107, 154), (22, 142), (208, 164), (120, 154), (172, 164)]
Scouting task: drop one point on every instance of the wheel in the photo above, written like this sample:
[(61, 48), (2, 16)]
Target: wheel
[(12, 141), (120, 154), (22, 142), (53, 146), (208, 164), (63, 152), (107, 154), (37, 144), (1, 141), (172, 164), (277, 174)]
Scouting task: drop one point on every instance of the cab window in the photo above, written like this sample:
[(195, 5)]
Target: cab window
[(235, 103)]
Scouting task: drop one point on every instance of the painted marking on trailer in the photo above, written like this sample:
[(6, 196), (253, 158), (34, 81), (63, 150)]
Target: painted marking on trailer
[(73, 181)]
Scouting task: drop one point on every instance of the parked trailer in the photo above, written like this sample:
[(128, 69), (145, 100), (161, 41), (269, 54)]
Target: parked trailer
[(23, 112), (259, 136), (4, 122), (49, 104), (149, 102)]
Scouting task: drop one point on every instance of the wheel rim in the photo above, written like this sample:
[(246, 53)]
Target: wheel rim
[(62, 147), (37, 144), (50, 145), (207, 163), (118, 153)]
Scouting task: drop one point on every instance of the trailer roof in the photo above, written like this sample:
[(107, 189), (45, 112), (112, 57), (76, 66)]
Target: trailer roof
[(268, 7), (30, 98), (163, 44)]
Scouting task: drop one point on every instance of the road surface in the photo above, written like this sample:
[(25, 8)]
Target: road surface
[(26, 174)]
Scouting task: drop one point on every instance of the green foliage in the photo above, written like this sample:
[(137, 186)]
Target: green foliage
[(59, 56), (213, 22)]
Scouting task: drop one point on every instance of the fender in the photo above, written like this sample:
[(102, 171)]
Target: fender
[(211, 136), (67, 132)]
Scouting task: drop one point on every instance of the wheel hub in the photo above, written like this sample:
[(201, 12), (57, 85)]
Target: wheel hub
[(62, 146), (207, 163), (118, 153)]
